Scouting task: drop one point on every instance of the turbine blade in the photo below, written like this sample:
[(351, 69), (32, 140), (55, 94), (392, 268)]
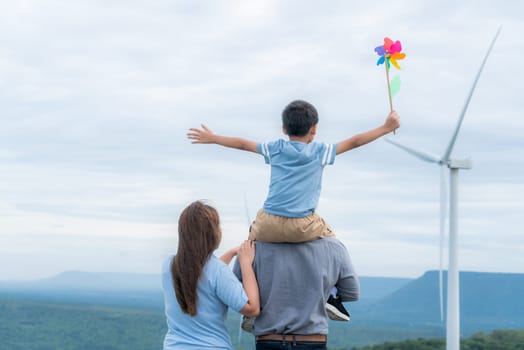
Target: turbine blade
[(419, 154), (249, 222), (443, 214), (449, 149)]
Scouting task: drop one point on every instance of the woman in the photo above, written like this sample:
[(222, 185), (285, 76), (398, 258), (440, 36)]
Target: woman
[(199, 287)]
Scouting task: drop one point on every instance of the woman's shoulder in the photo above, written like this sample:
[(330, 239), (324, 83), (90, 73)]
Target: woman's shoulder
[(214, 263), (215, 270), (166, 264)]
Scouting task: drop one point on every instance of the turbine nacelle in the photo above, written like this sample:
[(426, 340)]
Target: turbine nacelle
[(460, 163)]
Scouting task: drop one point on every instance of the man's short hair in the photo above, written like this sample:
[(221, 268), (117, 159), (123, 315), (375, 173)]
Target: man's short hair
[(298, 117)]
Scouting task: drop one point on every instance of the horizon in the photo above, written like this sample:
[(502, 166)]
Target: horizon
[(158, 274), (95, 166)]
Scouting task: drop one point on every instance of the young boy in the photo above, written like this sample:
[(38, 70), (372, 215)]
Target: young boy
[(288, 214)]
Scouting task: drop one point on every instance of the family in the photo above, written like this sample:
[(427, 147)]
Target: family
[(290, 275)]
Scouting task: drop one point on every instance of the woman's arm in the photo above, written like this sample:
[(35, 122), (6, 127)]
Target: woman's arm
[(246, 255), (229, 255)]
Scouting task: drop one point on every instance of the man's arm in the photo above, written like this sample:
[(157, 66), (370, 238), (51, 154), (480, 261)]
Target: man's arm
[(205, 135), (392, 122), (348, 285), (348, 288)]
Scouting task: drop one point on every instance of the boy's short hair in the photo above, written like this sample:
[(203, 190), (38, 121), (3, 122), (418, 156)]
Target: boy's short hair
[(298, 117)]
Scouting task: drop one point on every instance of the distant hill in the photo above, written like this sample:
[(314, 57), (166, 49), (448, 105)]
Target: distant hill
[(371, 287), (487, 301), (83, 280), (133, 290), (136, 290)]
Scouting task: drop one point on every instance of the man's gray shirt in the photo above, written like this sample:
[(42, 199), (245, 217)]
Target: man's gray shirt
[(295, 280)]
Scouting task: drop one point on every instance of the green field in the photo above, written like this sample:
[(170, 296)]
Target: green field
[(29, 324), (45, 326), (38, 324)]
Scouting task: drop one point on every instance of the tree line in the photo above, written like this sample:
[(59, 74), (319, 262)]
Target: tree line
[(496, 340)]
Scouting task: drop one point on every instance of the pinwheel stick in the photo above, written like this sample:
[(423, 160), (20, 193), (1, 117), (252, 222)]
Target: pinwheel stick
[(389, 90)]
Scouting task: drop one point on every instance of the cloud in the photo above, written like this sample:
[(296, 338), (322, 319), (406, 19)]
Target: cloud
[(97, 99)]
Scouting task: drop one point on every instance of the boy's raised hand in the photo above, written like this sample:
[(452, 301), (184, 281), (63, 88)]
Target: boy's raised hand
[(393, 121), (203, 135)]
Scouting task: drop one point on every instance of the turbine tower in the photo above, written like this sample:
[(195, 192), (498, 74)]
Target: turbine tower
[(454, 165)]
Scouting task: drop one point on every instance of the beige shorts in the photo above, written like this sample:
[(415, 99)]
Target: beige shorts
[(273, 228)]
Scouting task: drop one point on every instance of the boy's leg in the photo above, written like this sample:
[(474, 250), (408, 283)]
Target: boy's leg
[(265, 228), (247, 324), (311, 227), (273, 228), (335, 309)]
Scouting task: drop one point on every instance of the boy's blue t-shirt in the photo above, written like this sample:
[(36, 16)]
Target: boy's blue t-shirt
[(296, 175), (218, 289)]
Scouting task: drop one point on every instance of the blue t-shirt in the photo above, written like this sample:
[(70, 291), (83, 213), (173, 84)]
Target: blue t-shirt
[(296, 175), (217, 290)]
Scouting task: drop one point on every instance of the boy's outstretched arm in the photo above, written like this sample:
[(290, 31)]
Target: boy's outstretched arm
[(392, 123), (205, 135)]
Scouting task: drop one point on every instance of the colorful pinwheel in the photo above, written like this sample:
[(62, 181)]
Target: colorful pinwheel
[(389, 54)]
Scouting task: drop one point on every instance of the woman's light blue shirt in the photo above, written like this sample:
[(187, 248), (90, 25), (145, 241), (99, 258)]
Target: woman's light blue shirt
[(217, 290)]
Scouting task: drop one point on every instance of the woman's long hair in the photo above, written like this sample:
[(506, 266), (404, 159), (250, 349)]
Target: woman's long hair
[(198, 236)]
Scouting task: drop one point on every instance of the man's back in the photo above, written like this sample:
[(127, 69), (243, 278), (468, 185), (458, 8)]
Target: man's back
[(295, 280)]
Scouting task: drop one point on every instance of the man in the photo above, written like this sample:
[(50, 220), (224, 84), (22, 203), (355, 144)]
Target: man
[(295, 281)]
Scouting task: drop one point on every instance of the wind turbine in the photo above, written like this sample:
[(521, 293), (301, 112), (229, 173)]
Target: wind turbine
[(454, 165)]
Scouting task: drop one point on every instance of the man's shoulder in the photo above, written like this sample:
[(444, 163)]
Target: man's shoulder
[(330, 242)]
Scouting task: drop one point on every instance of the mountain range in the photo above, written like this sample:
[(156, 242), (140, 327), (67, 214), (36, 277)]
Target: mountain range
[(488, 300)]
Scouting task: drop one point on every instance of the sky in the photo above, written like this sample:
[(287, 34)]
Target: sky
[(97, 98)]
